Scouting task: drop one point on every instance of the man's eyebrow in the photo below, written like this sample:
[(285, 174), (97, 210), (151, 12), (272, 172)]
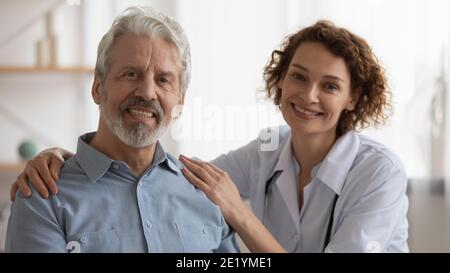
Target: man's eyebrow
[(301, 67), (131, 67), (167, 73)]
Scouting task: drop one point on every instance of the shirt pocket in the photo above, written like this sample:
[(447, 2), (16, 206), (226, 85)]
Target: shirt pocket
[(199, 238), (94, 242)]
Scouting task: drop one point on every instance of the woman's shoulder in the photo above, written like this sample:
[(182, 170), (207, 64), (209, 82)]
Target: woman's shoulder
[(377, 176), (375, 167), (373, 152)]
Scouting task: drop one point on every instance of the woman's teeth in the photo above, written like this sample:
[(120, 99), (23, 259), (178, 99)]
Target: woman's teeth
[(305, 112), (141, 114)]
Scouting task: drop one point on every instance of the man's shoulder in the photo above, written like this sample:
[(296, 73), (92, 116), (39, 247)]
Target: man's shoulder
[(174, 162), (71, 171), (186, 193)]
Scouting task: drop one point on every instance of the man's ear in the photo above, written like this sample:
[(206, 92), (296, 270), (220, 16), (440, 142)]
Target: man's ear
[(178, 109), (354, 98), (96, 89), (181, 99)]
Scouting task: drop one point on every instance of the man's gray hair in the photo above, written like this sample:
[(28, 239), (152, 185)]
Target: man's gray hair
[(146, 20)]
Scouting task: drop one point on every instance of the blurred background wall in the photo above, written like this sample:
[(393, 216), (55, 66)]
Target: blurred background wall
[(48, 52)]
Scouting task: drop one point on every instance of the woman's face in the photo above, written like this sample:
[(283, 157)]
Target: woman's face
[(315, 90)]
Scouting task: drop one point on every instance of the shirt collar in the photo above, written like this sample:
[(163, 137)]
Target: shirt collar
[(333, 169), (285, 157), (95, 164)]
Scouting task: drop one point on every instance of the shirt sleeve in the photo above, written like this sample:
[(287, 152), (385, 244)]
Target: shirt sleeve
[(238, 164), (376, 216), (33, 226)]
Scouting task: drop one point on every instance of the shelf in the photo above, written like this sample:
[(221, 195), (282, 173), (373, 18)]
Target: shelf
[(12, 167), (24, 69)]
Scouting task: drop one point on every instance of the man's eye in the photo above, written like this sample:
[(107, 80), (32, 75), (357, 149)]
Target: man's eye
[(164, 80), (131, 75)]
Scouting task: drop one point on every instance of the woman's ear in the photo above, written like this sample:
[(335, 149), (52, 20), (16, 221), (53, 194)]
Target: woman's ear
[(354, 98), (280, 83), (96, 89)]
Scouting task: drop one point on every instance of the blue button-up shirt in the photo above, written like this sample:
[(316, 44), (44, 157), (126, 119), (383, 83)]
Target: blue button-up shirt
[(369, 180), (102, 207)]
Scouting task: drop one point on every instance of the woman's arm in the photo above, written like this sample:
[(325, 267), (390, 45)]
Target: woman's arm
[(42, 171), (219, 188)]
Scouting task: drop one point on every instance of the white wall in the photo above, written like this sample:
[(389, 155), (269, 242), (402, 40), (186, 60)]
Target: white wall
[(51, 109), (46, 107), (231, 42)]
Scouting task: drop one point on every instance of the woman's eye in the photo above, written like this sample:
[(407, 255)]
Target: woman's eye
[(299, 77), (331, 87)]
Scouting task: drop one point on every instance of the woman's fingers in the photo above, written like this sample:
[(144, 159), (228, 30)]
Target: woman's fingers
[(23, 185), (58, 157), (216, 184), (200, 169), (12, 193), (216, 169), (56, 164), (35, 179), (44, 173), (194, 179)]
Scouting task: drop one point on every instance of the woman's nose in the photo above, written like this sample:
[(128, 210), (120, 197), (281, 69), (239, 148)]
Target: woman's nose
[(310, 93)]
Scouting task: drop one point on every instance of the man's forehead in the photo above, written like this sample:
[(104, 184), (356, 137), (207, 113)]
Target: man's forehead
[(135, 50)]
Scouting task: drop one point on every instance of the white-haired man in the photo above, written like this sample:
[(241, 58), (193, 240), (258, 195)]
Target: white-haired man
[(121, 192)]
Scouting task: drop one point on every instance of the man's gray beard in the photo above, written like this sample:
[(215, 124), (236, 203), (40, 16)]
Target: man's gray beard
[(138, 136)]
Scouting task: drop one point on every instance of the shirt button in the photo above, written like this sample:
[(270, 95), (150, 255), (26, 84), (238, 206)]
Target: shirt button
[(115, 166), (205, 231), (83, 239), (140, 184), (149, 225)]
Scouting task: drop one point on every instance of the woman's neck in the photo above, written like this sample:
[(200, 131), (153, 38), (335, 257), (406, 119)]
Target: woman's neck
[(310, 149)]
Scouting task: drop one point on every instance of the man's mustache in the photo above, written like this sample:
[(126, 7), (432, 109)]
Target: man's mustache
[(149, 104)]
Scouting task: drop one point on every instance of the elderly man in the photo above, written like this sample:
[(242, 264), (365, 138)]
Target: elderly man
[(121, 192)]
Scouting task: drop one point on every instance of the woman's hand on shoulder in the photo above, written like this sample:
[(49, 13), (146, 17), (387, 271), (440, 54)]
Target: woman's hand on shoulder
[(42, 172)]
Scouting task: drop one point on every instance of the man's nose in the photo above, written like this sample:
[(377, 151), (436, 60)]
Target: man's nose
[(147, 89)]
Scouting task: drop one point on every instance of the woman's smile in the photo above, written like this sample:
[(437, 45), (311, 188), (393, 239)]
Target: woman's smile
[(305, 113)]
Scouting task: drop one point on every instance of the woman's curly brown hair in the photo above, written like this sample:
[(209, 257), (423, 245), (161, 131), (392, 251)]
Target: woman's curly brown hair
[(368, 81)]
